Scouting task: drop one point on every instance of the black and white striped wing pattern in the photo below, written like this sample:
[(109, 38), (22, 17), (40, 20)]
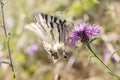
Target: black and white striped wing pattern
[(51, 31)]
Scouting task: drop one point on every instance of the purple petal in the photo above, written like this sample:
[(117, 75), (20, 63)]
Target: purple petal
[(82, 31), (32, 49)]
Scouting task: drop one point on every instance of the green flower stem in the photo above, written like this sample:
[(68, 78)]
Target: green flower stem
[(7, 40), (110, 71), (89, 47)]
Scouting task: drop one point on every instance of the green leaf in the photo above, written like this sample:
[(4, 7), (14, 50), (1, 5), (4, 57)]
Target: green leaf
[(87, 4), (76, 8), (90, 57), (13, 76), (8, 37), (92, 40), (5, 62), (110, 56), (2, 2), (0, 25)]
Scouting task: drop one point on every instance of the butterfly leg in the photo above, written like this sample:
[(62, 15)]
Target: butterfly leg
[(64, 54), (55, 56)]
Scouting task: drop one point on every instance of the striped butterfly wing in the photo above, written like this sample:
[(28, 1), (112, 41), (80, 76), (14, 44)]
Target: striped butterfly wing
[(50, 25), (51, 31)]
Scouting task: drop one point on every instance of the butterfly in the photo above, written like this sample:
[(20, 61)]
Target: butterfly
[(51, 31)]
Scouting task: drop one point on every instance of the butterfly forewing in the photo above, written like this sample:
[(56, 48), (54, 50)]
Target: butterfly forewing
[(51, 31), (49, 23)]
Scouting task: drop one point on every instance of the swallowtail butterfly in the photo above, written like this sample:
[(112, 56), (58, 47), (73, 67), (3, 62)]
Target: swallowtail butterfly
[(51, 31)]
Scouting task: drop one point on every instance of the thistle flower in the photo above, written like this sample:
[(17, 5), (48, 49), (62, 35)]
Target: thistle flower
[(83, 32), (32, 49)]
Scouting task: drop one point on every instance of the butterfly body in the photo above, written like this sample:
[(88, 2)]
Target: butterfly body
[(51, 31)]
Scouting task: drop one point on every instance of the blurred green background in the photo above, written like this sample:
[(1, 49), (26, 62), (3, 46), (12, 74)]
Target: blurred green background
[(38, 65)]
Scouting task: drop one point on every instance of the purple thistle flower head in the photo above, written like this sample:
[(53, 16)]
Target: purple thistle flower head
[(83, 32), (32, 49)]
